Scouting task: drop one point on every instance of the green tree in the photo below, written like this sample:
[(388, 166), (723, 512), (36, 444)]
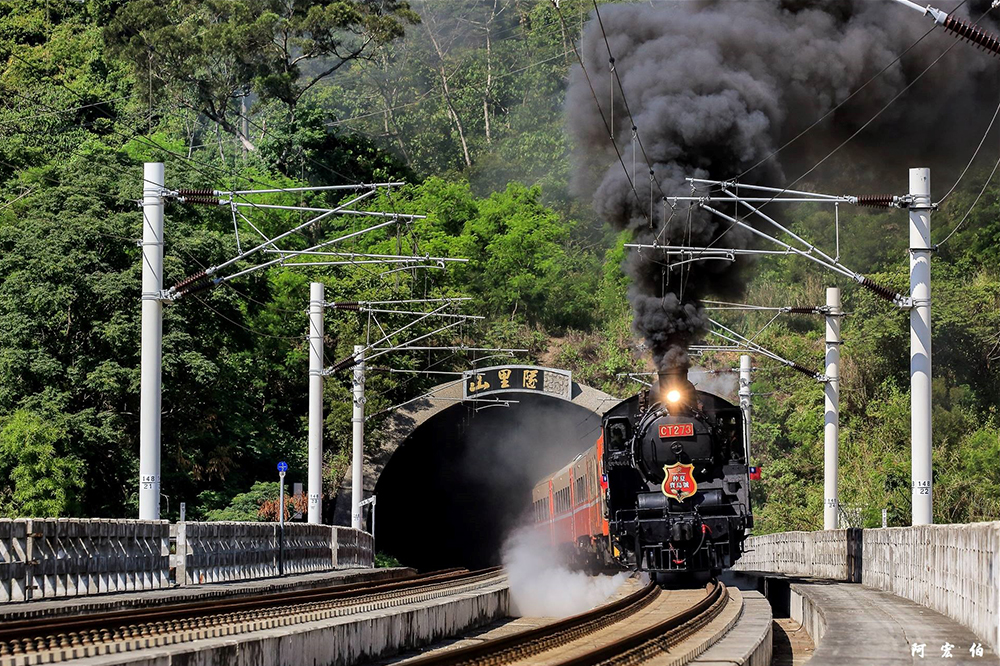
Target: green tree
[(245, 506), (206, 54), (42, 479)]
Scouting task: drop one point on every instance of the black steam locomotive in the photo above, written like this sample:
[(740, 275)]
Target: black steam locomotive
[(675, 466)]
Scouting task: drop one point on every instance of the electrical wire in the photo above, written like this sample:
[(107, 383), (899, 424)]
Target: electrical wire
[(180, 249), (131, 240), (972, 207), (848, 139), (628, 110), (607, 127), (135, 136), (59, 183), (243, 326), (427, 94), (973, 158), (804, 131), (35, 104), (842, 103), (196, 165)]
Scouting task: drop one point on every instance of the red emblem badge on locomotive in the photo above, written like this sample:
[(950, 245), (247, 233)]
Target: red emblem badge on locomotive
[(678, 481)]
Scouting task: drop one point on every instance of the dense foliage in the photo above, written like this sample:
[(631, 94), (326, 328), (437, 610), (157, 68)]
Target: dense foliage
[(464, 101)]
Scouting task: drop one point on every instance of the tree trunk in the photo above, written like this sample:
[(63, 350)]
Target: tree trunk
[(447, 97), (489, 77), (398, 133)]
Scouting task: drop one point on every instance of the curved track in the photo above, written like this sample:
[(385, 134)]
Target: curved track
[(585, 639), (48, 640)]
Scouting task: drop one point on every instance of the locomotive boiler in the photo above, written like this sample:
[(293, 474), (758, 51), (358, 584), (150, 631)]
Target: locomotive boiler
[(665, 489)]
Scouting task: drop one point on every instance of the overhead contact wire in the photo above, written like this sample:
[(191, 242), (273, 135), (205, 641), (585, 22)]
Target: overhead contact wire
[(607, 128)]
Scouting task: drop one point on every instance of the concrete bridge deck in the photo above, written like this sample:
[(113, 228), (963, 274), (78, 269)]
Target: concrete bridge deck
[(852, 623)]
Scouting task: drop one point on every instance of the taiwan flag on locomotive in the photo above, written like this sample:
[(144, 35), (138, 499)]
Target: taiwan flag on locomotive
[(755, 473), (678, 481)]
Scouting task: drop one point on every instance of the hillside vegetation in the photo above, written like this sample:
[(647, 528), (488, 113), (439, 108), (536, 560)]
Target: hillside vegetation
[(463, 100)]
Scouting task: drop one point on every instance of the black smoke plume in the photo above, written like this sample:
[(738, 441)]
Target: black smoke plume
[(716, 86)]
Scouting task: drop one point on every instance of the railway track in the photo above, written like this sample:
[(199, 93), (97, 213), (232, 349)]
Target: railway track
[(52, 640), (604, 635)]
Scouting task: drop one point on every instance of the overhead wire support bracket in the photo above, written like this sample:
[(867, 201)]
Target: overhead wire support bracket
[(203, 280), (750, 345), (178, 289), (823, 259), (308, 188), (363, 255), (341, 210), (459, 348), (356, 305), (353, 359)]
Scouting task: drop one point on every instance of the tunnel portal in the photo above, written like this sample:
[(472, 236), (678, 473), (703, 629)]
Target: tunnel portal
[(461, 480)]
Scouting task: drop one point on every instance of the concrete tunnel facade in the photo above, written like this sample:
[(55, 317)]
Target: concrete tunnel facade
[(453, 477)]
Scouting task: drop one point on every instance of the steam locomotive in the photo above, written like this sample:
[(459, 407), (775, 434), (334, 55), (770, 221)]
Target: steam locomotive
[(665, 488)]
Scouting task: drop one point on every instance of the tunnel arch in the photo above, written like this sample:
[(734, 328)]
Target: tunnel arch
[(453, 476)]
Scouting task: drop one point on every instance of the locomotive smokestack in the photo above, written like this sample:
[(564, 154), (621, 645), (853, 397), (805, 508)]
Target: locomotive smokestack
[(673, 388), (671, 378)]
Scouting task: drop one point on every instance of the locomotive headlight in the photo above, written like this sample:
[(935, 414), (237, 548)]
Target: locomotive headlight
[(673, 395)]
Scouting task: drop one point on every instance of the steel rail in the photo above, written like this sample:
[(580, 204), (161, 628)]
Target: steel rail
[(526, 644), (147, 635), (41, 628), (653, 640), (144, 636)]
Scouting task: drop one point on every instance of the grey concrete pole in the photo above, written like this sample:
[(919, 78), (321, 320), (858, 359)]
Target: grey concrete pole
[(745, 368), (358, 423), (315, 489), (152, 341), (831, 420), (920, 347)]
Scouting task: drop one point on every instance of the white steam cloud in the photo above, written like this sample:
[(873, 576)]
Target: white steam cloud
[(722, 384), (541, 585)]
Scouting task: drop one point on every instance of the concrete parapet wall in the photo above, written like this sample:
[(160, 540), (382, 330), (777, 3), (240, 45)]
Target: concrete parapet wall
[(230, 551), (953, 569), (822, 554), (65, 557), (355, 549), (809, 615)]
